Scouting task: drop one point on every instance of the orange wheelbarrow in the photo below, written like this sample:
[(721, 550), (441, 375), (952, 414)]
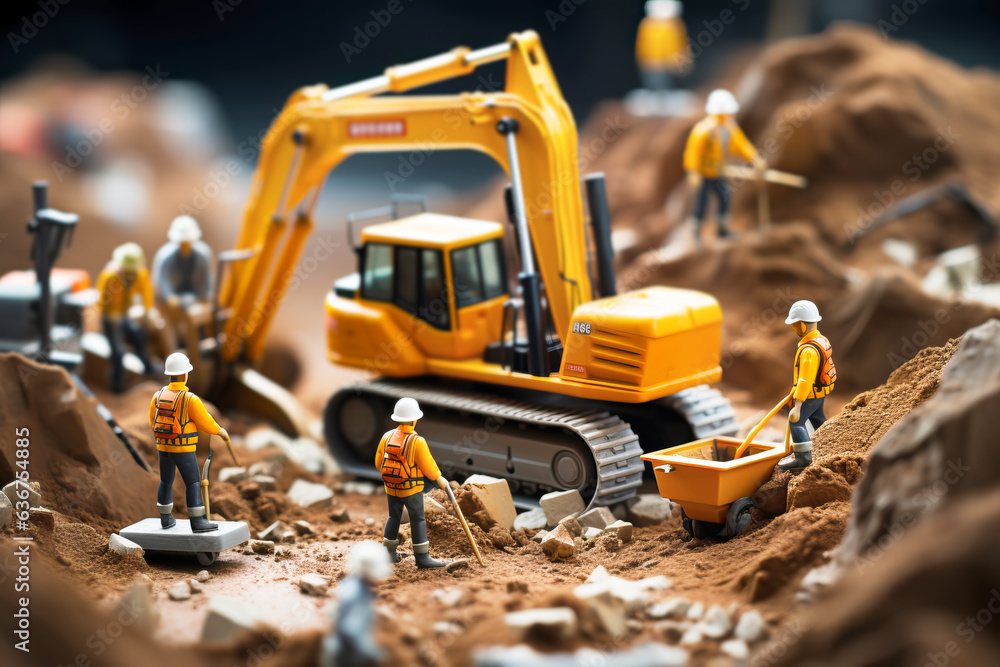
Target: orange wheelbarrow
[(712, 479)]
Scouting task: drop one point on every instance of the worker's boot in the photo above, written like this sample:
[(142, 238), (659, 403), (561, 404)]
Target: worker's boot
[(801, 457), (167, 519), (724, 232), (199, 522), (390, 546), (421, 554)]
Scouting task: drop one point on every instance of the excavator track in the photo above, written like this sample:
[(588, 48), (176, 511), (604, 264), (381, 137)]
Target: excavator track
[(537, 447)]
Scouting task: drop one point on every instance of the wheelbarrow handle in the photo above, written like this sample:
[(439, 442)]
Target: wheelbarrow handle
[(756, 429)]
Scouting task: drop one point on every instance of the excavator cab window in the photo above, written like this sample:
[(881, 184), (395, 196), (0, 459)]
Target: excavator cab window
[(411, 278), (478, 273)]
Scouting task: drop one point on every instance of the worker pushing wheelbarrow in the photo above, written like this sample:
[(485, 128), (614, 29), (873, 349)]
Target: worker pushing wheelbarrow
[(713, 479)]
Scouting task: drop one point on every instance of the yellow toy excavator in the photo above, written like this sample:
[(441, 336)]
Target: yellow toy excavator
[(552, 380)]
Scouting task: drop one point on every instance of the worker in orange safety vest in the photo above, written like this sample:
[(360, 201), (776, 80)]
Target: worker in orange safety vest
[(176, 416), (813, 377), (404, 459), (661, 46), (123, 279), (712, 143)]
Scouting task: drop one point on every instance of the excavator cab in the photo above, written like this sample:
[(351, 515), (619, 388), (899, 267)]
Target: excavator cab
[(428, 285)]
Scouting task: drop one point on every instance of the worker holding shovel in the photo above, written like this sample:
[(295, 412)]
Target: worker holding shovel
[(404, 459), (814, 375)]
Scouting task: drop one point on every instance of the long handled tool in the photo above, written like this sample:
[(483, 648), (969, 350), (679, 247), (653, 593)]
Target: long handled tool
[(465, 524), (762, 178), (763, 422), (206, 469)]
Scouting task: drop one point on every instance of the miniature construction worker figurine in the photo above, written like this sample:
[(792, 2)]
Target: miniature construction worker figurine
[(176, 416), (661, 45), (183, 277), (404, 459), (710, 146), (351, 643), (814, 375), (122, 279)]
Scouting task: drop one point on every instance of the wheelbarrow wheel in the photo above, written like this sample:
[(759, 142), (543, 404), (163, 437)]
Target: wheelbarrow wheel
[(738, 517)]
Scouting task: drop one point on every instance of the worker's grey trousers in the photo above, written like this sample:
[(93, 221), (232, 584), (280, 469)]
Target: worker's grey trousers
[(418, 524), (812, 411)]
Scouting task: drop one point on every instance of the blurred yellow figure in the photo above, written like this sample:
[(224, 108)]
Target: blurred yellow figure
[(661, 45), (123, 279)]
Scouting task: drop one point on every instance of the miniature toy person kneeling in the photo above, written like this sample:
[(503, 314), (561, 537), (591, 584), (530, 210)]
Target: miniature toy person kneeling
[(813, 378), (176, 416), (404, 459)]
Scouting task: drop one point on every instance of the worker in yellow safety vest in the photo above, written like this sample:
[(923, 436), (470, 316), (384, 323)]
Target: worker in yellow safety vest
[(711, 145), (176, 416), (404, 460), (813, 377), (123, 279), (661, 47)]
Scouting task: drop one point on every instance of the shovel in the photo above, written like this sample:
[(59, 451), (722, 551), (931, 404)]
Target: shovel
[(465, 524)]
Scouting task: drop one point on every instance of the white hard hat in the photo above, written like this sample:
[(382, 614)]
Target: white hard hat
[(803, 311), (664, 9), (721, 101), (130, 256), (184, 228), (369, 560), (407, 410), (177, 364)]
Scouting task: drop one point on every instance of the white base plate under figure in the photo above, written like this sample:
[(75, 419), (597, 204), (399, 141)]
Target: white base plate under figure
[(179, 539)]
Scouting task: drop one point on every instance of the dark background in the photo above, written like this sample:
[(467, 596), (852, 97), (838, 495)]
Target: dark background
[(262, 50)]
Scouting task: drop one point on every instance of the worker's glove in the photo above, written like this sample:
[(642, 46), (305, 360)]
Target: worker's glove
[(693, 179), (759, 163), (795, 413), (442, 482), (224, 434)]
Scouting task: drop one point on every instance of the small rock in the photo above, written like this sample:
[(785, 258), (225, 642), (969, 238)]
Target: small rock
[(233, 474), (261, 547), (559, 544), (540, 536), (554, 624), (751, 627), (433, 507), (620, 511), (530, 520), (340, 516), (634, 626), (621, 529), (180, 591), (736, 649), (125, 547), (696, 611), (203, 576), (590, 532), (41, 518), (691, 636), (598, 517), (560, 504), (19, 491), (272, 466), (265, 482), (6, 511), (494, 494), (195, 586), (249, 489), (228, 618), (599, 574), (303, 528), (369, 522), (265, 436), (648, 509), (443, 628), (309, 494), (140, 606), (277, 532), (657, 583), (716, 623), (572, 525), (457, 564), (314, 584), (672, 608), (448, 597), (360, 487)]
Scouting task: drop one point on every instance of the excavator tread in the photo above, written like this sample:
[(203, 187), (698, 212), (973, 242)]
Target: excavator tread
[(615, 448), (707, 411)]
